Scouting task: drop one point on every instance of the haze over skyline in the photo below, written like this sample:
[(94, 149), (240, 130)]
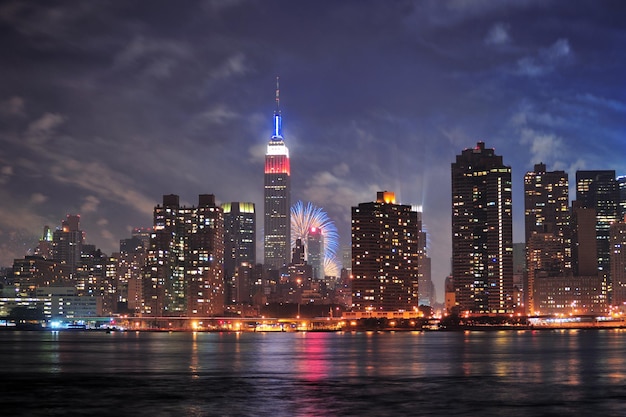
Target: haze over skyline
[(106, 106)]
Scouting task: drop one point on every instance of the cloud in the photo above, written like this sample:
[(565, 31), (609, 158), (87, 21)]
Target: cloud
[(38, 198), (41, 129), (90, 204), (156, 58), (5, 174), (498, 35), (13, 106), (234, 65), (602, 102), (546, 60)]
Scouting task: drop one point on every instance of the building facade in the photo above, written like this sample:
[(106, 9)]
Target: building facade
[(185, 262), (598, 190), (546, 223), (277, 197), (482, 232), (239, 248), (385, 256)]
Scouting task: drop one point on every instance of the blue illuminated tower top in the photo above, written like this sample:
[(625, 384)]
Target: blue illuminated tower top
[(278, 120)]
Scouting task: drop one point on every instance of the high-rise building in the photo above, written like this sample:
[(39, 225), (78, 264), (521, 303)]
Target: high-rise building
[(618, 262), (67, 243), (315, 251), (426, 286), (598, 190), (277, 206), (130, 263), (621, 186), (546, 221), (185, 265), (385, 255), (239, 247), (482, 232), (239, 235)]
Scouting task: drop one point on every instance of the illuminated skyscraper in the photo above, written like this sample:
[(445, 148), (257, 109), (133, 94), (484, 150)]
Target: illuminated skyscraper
[(315, 251), (239, 235), (185, 265), (482, 232), (598, 190), (277, 210), (548, 235), (67, 243), (239, 248), (385, 255)]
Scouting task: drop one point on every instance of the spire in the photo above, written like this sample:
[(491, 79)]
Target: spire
[(277, 96), (278, 120)]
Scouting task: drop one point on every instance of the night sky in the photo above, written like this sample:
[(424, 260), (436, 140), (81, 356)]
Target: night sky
[(107, 105)]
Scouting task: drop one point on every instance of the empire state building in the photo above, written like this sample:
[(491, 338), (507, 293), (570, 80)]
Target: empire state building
[(277, 213)]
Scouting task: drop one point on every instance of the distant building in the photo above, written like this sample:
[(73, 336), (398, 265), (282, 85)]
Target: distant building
[(618, 261), (315, 252), (239, 248), (277, 206), (185, 265), (67, 243), (546, 221), (385, 251), (598, 190), (130, 267), (482, 232)]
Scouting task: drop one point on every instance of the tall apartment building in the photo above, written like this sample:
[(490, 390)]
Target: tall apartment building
[(618, 262), (315, 251), (239, 249), (598, 190), (385, 254), (546, 221), (277, 192), (67, 243), (482, 232), (185, 265)]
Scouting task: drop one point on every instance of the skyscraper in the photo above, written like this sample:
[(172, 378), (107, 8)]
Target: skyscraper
[(546, 220), (315, 251), (385, 255), (277, 210), (185, 265), (482, 232), (239, 235), (618, 262), (239, 249), (598, 190), (67, 243)]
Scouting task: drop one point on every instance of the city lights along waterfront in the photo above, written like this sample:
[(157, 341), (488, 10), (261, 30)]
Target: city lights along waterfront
[(511, 373)]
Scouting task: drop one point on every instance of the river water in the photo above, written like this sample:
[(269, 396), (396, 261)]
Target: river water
[(499, 373)]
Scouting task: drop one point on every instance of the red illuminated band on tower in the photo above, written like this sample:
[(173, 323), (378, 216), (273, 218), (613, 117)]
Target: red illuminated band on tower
[(277, 164)]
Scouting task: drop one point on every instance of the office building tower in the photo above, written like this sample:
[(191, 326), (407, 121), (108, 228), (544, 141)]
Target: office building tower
[(482, 232), (618, 262), (239, 248), (130, 264), (185, 266), (315, 251), (67, 243), (277, 205), (426, 286), (385, 255), (45, 246), (598, 190), (621, 187), (546, 221), (239, 235)]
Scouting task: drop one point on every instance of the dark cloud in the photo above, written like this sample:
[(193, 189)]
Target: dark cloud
[(106, 106)]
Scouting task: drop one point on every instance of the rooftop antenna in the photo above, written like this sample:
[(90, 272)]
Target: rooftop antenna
[(277, 95)]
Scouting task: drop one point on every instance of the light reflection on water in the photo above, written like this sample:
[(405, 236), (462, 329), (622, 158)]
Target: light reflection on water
[(513, 373)]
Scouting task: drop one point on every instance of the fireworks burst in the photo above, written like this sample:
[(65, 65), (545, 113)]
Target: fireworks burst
[(303, 217)]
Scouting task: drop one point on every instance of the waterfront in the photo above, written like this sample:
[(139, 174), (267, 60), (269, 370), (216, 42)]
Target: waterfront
[(512, 373)]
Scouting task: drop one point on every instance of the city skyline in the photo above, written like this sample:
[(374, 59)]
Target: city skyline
[(106, 107)]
